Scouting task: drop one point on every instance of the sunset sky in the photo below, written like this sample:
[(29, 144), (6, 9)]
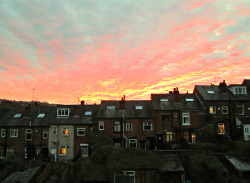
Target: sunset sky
[(104, 49)]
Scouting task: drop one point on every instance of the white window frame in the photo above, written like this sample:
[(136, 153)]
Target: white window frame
[(84, 147), (129, 126), (147, 124), (80, 130), (240, 105), (240, 90), (38, 151), (3, 132), (117, 126), (62, 147), (214, 109), (224, 108), (63, 112), (132, 141), (15, 131), (64, 130), (184, 116), (101, 125), (189, 100), (164, 100), (223, 128), (28, 131), (1, 154), (45, 132)]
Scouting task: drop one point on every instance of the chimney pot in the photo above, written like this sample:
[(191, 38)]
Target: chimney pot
[(82, 102)]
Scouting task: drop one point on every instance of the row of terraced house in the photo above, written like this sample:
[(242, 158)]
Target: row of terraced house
[(167, 121)]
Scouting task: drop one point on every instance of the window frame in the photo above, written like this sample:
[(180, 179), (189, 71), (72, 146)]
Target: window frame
[(87, 113), (184, 116), (61, 147), (111, 107), (45, 132), (80, 129), (63, 132), (166, 119), (55, 131), (145, 124), (117, 127), (223, 108), (61, 112), (129, 127), (27, 133), (139, 107), (84, 147), (15, 133), (132, 139), (214, 109), (3, 131), (223, 128), (240, 107), (101, 125)]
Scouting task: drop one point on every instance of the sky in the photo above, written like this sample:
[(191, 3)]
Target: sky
[(64, 51)]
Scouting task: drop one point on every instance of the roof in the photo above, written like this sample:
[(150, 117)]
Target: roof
[(130, 109), (238, 164), (184, 102), (244, 119)]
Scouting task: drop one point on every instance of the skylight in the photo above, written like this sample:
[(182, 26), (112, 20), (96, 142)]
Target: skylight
[(40, 115), (164, 100), (138, 107), (88, 113), (111, 107), (18, 115), (210, 92), (189, 99)]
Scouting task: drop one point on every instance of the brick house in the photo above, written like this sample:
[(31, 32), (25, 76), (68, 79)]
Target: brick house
[(24, 127), (177, 118), (129, 123)]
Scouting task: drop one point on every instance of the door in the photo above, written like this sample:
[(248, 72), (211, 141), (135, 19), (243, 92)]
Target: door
[(53, 154)]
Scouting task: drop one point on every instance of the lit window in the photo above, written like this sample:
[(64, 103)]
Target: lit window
[(65, 131), (101, 125), (212, 109), (40, 115), (45, 134), (84, 150), (80, 131), (210, 92), (133, 142), (185, 119), (189, 99), (240, 109), (164, 100), (62, 151), (111, 107), (13, 133), (224, 109), (54, 131), (221, 129), (117, 126), (3, 132), (28, 134), (18, 115), (129, 126), (88, 113), (138, 107), (169, 136), (64, 112), (147, 126), (1, 154), (193, 137)]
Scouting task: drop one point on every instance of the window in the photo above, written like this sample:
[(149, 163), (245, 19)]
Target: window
[(193, 135), (240, 109), (40, 115), (45, 134), (125, 176), (25, 153), (1, 154), (240, 90), (133, 142), (3, 132), (38, 152), (169, 136), (138, 107), (80, 131), (65, 131), (54, 131), (84, 150), (117, 126), (212, 109), (62, 151), (10, 151), (28, 134), (176, 118), (147, 126), (164, 100), (185, 119), (101, 125), (13, 133), (111, 107), (63, 112), (18, 115), (88, 113), (221, 129), (224, 109), (129, 126), (165, 117), (210, 92), (189, 99), (186, 136)]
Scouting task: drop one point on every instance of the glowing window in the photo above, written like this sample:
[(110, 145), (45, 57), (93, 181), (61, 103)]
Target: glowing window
[(40, 115), (62, 151), (138, 107), (212, 109), (221, 128), (65, 131), (1, 154), (18, 115)]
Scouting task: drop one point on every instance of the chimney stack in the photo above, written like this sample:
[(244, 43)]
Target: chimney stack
[(176, 95), (223, 87), (82, 102), (122, 103)]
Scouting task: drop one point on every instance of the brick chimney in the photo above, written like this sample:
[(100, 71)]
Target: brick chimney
[(176, 95), (82, 102), (223, 86), (122, 103)]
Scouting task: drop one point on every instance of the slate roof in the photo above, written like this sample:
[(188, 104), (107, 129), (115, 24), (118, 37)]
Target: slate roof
[(244, 119), (130, 111), (173, 105)]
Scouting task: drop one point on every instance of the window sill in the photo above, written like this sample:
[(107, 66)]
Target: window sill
[(186, 124)]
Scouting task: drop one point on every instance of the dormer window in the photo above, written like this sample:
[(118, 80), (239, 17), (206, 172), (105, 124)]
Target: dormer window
[(18, 115), (164, 100), (40, 116), (88, 113), (189, 99), (112, 107), (138, 107), (63, 112), (210, 92), (240, 90)]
